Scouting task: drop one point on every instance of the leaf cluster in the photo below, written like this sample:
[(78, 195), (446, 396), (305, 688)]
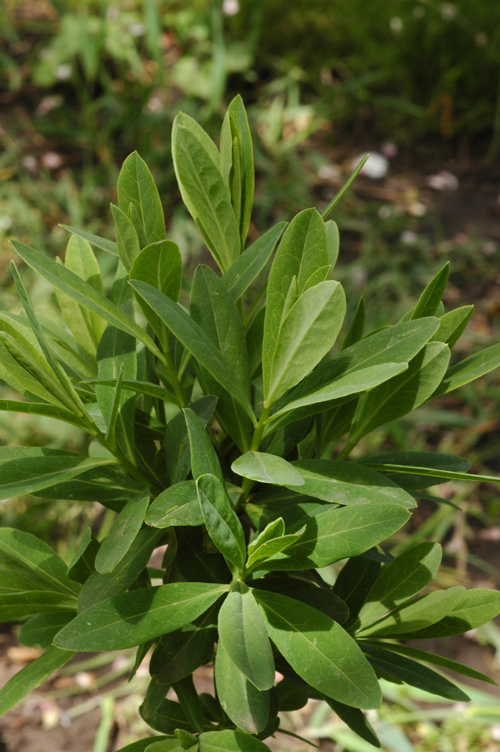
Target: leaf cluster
[(222, 411)]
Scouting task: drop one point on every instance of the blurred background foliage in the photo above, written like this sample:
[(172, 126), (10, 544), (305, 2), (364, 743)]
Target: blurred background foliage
[(85, 82)]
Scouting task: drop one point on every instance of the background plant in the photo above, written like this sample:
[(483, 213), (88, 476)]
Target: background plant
[(220, 426)]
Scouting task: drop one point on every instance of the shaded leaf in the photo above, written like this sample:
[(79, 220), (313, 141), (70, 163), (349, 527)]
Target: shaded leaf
[(246, 706), (223, 525), (122, 533)]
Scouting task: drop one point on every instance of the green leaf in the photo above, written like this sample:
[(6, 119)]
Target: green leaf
[(164, 744), (230, 741), (204, 458), (127, 241), (213, 309), (160, 265), (404, 577), (269, 542), (192, 708), (180, 653), (15, 606), (356, 327), (103, 243), (242, 632), (240, 275), (41, 408), (267, 468), (176, 505), (68, 282), (356, 720), (401, 394), (136, 187), (430, 472), (306, 333), (176, 444), (117, 354), (416, 614), (473, 608), (321, 598), (86, 327), (122, 533), (397, 668), (348, 385), (320, 651), (470, 369), (138, 616), (31, 474), (32, 676), (21, 368), (347, 483), (332, 241), (42, 628), (65, 391), (430, 299), (291, 696), (98, 587), (354, 582), (438, 660), (337, 534), (303, 254), (222, 523), (411, 481), (203, 190), (397, 344), (246, 706), (139, 387), (241, 130), (340, 195), (26, 555), (192, 337), (166, 718), (453, 324)]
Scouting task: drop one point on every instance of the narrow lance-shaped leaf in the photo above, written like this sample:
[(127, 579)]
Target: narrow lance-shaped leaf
[(203, 190), (127, 241), (332, 241), (122, 533), (431, 297), (306, 334), (453, 324), (86, 326), (160, 265), (96, 240), (416, 614), (411, 481), (32, 676), (81, 291), (222, 523), (401, 394), (192, 337), (242, 632), (213, 309), (136, 187), (473, 608), (138, 616), (469, 369), (240, 275), (267, 468), (348, 484), (230, 741), (404, 577), (204, 458), (340, 534), (32, 474), (319, 650), (246, 706), (241, 130), (302, 253)]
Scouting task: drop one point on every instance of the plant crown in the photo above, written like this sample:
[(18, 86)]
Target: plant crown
[(216, 411)]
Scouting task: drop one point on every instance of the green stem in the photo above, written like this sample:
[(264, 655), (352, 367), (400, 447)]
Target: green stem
[(346, 450), (248, 484), (172, 373)]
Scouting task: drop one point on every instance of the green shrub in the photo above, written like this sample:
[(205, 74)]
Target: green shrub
[(215, 422)]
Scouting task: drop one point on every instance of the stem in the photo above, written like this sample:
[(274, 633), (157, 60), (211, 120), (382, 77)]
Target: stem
[(346, 450), (169, 363), (248, 484)]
